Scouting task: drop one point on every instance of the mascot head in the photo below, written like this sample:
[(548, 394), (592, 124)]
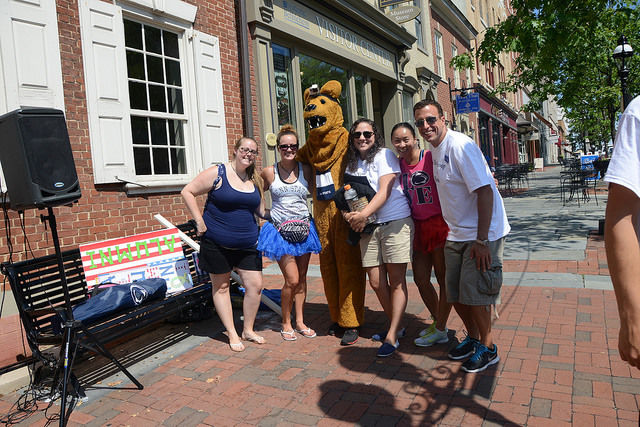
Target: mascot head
[(322, 110)]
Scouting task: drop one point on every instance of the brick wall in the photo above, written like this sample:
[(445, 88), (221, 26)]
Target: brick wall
[(449, 37), (106, 211)]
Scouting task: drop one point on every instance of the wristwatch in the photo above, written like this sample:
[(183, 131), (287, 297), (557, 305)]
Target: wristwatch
[(483, 242)]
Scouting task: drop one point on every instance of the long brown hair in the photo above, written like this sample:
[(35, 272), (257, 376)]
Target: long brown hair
[(352, 153), (251, 170)]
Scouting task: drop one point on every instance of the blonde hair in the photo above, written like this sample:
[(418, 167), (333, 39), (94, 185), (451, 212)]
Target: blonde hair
[(286, 130), (252, 174)]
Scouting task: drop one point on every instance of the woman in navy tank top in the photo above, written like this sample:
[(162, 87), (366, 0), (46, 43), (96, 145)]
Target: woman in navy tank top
[(230, 234)]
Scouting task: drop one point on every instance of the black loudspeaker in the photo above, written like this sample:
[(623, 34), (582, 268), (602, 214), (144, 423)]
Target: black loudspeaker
[(36, 159)]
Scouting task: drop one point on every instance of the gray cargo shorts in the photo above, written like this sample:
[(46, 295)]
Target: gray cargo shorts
[(465, 283)]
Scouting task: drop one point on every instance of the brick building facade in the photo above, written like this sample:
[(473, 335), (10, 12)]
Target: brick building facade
[(119, 206)]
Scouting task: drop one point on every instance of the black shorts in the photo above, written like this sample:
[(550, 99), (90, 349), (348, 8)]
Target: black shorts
[(216, 259)]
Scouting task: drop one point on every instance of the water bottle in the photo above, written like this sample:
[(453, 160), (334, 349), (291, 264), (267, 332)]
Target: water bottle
[(355, 203)]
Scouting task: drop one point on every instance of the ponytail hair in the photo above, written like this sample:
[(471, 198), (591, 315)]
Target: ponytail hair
[(286, 130)]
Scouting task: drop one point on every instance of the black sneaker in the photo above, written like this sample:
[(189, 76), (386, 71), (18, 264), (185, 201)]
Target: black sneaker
[(481, 359), (465, 349), (335, 329), (350, 336)]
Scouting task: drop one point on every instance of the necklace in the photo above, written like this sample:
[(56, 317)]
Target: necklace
[(285, 169), (246, 176)]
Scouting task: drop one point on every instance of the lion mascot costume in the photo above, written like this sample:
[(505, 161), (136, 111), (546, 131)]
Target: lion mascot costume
[(340, 263)]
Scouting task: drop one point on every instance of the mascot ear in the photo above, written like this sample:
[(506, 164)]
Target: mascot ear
[(332, 88), (306, 96)]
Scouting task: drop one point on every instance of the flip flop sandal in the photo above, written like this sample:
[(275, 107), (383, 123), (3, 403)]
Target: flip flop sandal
[(255, 338), (237, 347), (288, 335), (307, 333)]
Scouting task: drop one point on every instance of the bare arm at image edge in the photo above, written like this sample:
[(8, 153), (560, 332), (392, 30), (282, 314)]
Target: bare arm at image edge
[(623, 258)]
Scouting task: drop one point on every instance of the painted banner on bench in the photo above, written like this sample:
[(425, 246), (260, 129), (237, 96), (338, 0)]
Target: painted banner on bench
[(157, 254)]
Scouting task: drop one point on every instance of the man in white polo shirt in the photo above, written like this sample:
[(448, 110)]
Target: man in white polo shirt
[(473, 209)]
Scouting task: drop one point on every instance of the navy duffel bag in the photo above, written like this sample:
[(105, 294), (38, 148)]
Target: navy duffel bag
[(119, 297)]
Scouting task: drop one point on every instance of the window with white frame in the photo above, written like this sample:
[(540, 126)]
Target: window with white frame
[(418, 23), (147, 126), (155, 98), (456, 72), (439, 54)]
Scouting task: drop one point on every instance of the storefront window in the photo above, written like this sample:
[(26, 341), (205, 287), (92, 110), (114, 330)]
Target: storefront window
[(407, 107), (284, 84), (361, 95), (315, 71)]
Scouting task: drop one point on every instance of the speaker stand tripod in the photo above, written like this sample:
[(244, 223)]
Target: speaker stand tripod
[(70, 337)]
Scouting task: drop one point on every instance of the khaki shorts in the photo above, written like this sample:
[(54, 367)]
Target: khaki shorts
[(388, 244), (465, 283)]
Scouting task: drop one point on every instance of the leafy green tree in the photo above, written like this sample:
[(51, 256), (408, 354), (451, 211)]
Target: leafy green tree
[(563, 50)]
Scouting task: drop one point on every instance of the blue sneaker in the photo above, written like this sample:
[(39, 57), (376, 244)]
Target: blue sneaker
[(382, 335), (465, 349), (387, 349), (481, 359)]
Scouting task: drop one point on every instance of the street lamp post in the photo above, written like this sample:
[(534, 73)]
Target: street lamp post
[(620, 53)]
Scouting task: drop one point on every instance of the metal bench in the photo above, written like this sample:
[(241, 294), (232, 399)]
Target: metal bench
[(40, 298)]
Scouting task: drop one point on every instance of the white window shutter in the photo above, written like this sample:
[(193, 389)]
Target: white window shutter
[(105, 74), (213, 132), (30, 67)]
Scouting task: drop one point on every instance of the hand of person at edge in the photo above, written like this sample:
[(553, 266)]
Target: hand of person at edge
[(482, 255), (629, 342)]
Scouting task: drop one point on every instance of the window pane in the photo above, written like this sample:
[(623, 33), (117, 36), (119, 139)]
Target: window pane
[(160, 161), (139, 130), (135, 65), (138, 95), (142, 160), (173, 72), (157, 98), (132, 34), (152, 39), (176, 137), (158, 132), (360, 95), (175, 100), (178, 162), (316, 71), (170, 44), (283, 84), (154, 69)]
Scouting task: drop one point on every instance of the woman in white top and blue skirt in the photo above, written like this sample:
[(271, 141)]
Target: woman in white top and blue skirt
[(291, 236)]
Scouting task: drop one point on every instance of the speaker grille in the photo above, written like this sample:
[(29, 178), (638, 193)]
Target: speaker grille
[(49, 153)]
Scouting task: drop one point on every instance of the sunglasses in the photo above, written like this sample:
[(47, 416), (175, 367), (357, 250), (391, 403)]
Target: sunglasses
[(367, 134), (429, 120), (245, 150), (292, 147)]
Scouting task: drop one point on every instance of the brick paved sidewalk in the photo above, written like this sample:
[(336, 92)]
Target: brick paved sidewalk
[(559, 366)]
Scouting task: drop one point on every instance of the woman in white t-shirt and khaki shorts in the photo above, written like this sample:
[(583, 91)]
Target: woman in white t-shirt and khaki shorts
[(387, 249)]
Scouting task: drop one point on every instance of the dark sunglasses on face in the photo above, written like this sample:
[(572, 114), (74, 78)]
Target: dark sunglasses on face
[(292, 147), (367, 134), (430, 121)]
